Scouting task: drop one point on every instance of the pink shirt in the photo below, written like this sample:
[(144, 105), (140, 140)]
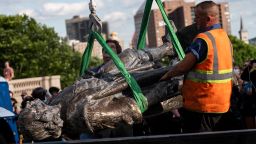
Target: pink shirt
[(8, 73)]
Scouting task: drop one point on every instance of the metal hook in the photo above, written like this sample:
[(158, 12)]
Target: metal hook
[(95, 23)]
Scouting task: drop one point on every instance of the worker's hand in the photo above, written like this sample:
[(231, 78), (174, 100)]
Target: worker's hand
[(166, 76), (175, 113)]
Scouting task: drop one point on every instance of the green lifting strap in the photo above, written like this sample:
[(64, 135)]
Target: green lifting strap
[(174, 38), (143, 28), (87, 55), (144, 24), (139, 97)]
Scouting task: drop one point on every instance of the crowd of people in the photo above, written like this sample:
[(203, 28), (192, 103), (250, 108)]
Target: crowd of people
[(244, 96), (40, 92), (37, 93)]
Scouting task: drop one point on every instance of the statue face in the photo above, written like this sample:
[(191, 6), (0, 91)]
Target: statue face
[(40, 120)]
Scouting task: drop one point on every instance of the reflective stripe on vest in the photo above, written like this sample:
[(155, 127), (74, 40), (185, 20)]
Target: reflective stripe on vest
[(214, 76)]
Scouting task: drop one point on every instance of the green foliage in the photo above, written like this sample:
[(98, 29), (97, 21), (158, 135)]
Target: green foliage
[(35, 50), (242, 51)]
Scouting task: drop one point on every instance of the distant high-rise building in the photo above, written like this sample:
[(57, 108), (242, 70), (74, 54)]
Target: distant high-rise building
[(80, 47), (182, 13), (224, 16), (151, 31), (78, 28), (156, 29), (243, 34)]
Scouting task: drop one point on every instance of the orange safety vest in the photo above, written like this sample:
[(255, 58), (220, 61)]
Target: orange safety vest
[(207, 87)]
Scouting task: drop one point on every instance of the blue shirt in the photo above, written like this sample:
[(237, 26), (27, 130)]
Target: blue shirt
[(199, 47)]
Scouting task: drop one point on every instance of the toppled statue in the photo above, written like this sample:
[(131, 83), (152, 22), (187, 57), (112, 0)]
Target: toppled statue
[(40, 121), (102, 99)]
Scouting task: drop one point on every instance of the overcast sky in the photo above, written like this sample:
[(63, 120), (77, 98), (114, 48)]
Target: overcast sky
[(119, 13)]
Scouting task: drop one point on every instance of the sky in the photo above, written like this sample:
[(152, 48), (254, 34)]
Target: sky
[(118, 13)]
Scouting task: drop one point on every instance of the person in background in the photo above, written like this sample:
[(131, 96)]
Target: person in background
[(249, 94), (41, 93), (25, 100), (208, 72), (54, 91), (23, 94), (8, 72), (115, 46), (14, 106)]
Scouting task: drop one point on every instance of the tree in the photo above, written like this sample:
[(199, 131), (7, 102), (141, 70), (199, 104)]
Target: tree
[(242, 51), (35, 50)]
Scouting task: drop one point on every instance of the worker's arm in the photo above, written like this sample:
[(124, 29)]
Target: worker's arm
[(182, 67)]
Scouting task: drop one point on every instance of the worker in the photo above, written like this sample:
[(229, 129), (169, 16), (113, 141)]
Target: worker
[(208, 71)]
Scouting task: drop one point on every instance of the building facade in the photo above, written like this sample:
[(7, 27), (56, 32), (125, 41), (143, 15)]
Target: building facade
[(17, 86), (225, 16), (81, 46), (182, 13), (78, 28)]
